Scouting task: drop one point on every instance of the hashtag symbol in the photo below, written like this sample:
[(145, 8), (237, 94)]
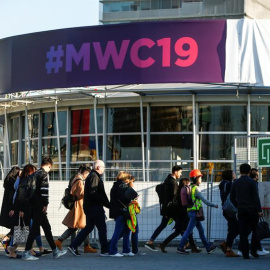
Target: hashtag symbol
[(54, 57)]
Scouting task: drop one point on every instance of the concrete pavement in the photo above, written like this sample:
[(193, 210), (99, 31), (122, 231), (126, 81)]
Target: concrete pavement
[(151, 261)]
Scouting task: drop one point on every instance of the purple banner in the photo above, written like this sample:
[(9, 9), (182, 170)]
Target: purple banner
[(137, 53)]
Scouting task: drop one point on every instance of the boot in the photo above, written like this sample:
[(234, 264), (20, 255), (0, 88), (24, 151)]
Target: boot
[(89, 249), (195, 249), (230, 253)]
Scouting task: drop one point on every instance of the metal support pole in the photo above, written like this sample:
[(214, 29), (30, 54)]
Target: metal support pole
[(104, 157), (27, 133), (195, 157), (142, 137), (58, 142), (248, 130), (7, 139), (96, 131), (148, 141)]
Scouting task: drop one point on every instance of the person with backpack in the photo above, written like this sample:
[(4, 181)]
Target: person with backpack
[(121, 195), (75, 218), (38, 198), (94, 200), (181, 220), (170, 189), (195, 214), (225, 188)]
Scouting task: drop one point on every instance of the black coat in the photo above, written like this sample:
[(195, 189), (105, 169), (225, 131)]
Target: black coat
[(7, 202), (120, 196)]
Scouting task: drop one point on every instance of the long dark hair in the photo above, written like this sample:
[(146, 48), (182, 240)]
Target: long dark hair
[(182, 182), (227, 175), (12, 175)]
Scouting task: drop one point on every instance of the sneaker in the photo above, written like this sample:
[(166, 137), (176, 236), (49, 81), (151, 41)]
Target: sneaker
[(211, 249), (130, 254), (116, 255), (74, 251), (254, 254), (58, 253), (239, 253), (162, 247), (223, 247), (140, 254), (47, 252), (231, 253), (182, 251), (89, 249), (58, 243), (150, 247), (104, 254), (262, 252), (28, 257)]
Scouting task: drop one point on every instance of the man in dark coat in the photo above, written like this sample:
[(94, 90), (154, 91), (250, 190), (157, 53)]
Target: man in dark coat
[(171, 187)]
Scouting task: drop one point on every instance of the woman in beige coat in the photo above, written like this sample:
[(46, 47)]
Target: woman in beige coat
[(75, 218)]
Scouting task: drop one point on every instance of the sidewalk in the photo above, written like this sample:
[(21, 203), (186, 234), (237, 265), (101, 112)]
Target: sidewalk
[(151, 261)]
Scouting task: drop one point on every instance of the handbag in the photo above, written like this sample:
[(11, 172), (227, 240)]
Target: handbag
[(20, 233), (124, 211), (200, 215), (263, 230), (229, 208)]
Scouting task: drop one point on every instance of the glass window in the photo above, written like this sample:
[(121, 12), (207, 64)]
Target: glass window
[(83, 121), (260, 117), (216, 146), (166, 4), (49, 123), (176, 4), (171, 119), (171, 147), (124, 147), (14, 132), (50, 148), (125, 120), (34, 152), (222, 118), (154, 4), (14, 153), (145, 5), (33, 125), (84, 148)]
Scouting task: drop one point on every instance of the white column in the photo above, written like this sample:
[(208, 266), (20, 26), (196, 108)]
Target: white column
[(142, 138), (27, 134), (95, 122)]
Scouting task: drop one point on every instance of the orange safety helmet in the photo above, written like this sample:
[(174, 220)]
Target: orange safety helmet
[(195, 173)]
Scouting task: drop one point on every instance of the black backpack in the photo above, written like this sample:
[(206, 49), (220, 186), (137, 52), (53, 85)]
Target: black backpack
[(69, 200), (27, 188), (160, 190)]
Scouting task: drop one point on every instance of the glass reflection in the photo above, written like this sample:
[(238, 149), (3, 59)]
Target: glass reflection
[(49, 123)]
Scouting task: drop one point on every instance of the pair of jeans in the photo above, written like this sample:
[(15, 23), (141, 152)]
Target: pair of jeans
[(40, 219), (72, 232), (120, 228), (95, 216), (193, 222), (233, 229), (248, 220), (160, 228)]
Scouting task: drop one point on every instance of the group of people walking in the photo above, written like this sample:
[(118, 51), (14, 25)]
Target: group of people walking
[(182, 202)]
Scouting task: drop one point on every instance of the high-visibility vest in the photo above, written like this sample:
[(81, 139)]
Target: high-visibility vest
[(197, 202)]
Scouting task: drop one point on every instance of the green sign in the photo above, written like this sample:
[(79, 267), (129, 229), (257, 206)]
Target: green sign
[(263, 147)]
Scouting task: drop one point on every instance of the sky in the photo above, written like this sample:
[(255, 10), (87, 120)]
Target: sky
[(27, 16)]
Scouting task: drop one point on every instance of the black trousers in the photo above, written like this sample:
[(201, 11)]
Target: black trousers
[(248, 220), (233, 229), (40, 219)]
